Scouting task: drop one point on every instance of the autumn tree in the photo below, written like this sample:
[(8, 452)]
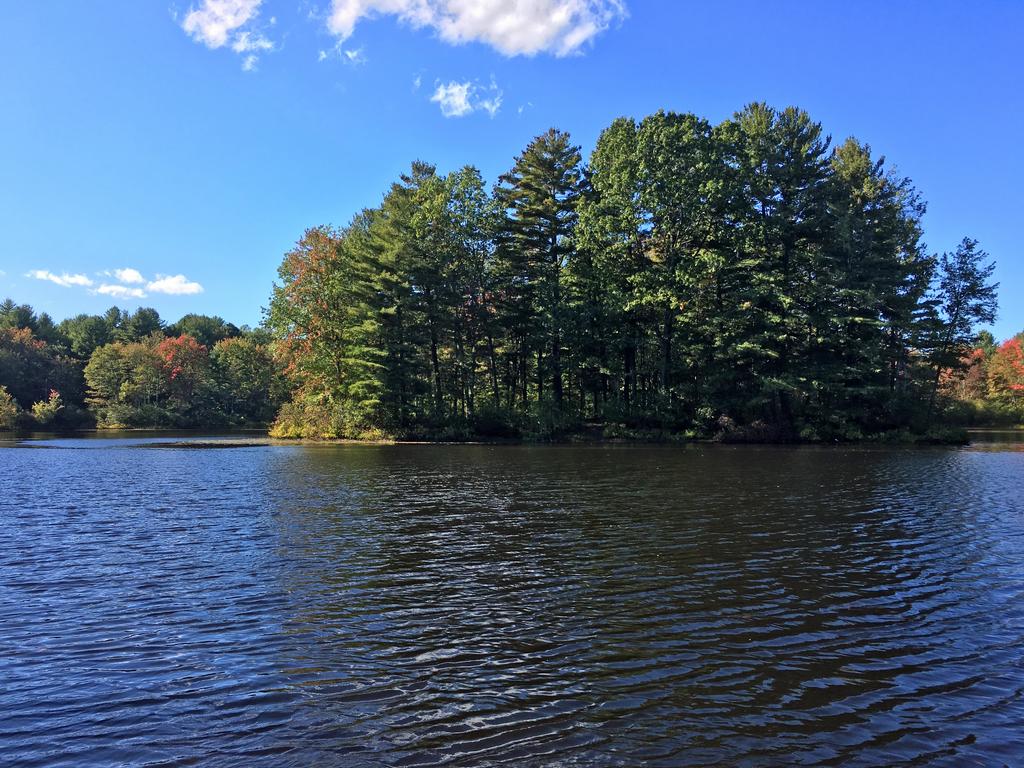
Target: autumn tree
[(1006, 372)]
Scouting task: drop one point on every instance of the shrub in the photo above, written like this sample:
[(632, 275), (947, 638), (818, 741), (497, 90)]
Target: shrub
[(492, 421), (45, 411)]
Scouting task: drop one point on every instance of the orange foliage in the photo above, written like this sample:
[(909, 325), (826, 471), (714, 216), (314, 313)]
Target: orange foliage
[(1006, 371)]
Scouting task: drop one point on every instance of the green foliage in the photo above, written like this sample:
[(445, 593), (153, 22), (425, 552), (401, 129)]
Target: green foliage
[(30, 368), (177, 382), (138, 372), (84, 333), (690, 276), (45, 412), (248, 385), (9, 410), (205, 329), (144, 322)]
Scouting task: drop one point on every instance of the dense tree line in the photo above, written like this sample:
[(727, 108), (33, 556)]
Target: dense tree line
[(125, 369), (744, 279)]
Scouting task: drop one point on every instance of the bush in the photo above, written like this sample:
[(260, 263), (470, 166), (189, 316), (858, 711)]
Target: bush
[(984, 413), (124, 416), (321, 420), (45, 411), (491, 421), (758, 431)]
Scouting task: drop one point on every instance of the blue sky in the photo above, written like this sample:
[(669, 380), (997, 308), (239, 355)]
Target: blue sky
[(188, 146)]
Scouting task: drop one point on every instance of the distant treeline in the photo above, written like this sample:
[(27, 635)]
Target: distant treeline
[(744, 280), (128, 370)]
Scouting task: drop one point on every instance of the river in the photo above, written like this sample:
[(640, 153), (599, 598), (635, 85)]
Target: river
[(413, 605)]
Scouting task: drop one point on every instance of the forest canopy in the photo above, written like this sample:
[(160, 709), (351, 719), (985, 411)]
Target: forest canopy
[(746, 279)]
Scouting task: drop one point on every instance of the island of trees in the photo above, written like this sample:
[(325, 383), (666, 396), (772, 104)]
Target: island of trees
[(744, 281)]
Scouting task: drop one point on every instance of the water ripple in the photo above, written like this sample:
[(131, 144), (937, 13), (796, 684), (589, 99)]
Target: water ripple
[(522, 606)]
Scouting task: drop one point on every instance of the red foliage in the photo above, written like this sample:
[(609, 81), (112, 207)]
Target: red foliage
[(1006, 370), (185, 362), (181, 355)]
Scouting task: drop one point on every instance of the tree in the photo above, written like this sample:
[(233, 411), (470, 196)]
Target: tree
[(85, 333), (246, 372), (1006, 372), (681, 168), (879, 275), (16, 316), (186, 367), (540, 196), (612, 236), (30, 368), (135, 327), (127, 385), (964, 298), (326, 311), (205, 329)]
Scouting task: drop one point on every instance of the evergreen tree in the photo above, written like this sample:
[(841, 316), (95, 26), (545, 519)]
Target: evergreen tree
[(540, 195)]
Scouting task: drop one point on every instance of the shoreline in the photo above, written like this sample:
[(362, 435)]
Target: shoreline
[(251, 437)]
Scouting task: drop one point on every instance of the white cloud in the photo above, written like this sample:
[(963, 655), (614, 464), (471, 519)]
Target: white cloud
[(453, 98), (64, 280), (355, 57), (417, 82), (460, 99), (217, 23), (492, 103), (129, 275), (121, 291), (246, 42), (175, 285), (514, 27)]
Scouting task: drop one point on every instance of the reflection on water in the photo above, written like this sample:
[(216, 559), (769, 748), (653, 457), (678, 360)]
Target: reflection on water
[(527, 606)]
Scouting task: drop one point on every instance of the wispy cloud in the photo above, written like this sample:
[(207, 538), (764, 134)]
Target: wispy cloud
[(174, 285), (64, 279), (491, 102), (513, 27), (247, 42), (217, 23), (352, 56), (460, 99), (355, 57)]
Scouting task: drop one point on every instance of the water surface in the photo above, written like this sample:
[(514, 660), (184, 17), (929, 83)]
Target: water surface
[(500, 605)]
